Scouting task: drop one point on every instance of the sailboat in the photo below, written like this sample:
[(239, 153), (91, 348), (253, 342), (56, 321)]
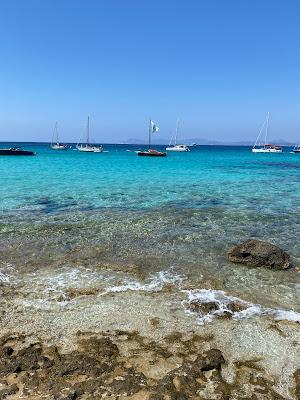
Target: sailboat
[(177, 147), (296, 148), (265, 148), (57, 145), (87, 147), (151, 152)]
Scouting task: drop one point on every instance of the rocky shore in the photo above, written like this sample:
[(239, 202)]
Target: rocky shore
[(108, 331)]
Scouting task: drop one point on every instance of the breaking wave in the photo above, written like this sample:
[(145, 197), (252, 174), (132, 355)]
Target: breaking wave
[(208, 304)]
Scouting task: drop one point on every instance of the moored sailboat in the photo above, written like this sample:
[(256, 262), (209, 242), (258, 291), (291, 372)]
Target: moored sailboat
[(57, 145), (177, 147), (266, 147), (87, 147), (296, 149), (151, 152)]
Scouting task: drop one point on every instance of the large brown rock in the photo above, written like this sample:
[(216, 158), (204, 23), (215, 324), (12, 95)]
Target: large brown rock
[(257, 253)]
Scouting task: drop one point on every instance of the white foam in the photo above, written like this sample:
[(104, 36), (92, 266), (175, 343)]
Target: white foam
[(281, 315), (155, 284), (223, 302)]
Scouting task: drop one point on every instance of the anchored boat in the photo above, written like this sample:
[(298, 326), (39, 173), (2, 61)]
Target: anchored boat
[(177, 147), (151, 152), (265, 148), (296, 149), (87, 147), (56, 145), (16, 151)]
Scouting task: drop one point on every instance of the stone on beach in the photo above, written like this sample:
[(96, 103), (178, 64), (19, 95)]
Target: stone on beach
[(257, 253)]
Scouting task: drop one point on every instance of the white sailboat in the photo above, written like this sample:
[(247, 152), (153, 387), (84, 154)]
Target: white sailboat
[(56, 145), (296, 149), (177, 147), (265, 148), (87, 147)]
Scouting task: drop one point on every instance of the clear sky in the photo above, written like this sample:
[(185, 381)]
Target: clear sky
[(219, 65)]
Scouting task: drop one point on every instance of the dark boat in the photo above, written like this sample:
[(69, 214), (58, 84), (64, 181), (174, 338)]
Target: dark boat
[(16, 151), (151, 153)]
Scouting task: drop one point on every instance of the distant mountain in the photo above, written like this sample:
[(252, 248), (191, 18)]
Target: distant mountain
[(205, 142)]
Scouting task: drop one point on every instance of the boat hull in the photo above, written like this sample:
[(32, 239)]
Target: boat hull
[(151, 154), (90, 149), (16, 152), (178, 150), (59, 147), (266, 150)]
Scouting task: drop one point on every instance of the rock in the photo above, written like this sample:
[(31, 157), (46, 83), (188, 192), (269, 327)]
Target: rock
[(8, 391), (203, 307), (257, 253), (211, 359)]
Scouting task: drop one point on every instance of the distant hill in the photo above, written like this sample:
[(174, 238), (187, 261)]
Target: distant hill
[(207, 142)]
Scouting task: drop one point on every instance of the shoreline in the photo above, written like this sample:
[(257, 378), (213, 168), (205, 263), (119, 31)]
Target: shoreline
[(159, 339)]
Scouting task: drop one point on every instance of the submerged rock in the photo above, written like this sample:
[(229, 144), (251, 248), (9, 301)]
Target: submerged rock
[(257, 253)]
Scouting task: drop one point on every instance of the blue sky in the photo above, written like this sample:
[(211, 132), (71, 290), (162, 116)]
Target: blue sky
[(218, 65)]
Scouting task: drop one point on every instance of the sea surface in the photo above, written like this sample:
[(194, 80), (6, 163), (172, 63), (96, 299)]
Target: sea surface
[(65, 213)]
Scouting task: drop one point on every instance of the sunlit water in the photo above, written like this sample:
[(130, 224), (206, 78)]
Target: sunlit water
[(62, 210)]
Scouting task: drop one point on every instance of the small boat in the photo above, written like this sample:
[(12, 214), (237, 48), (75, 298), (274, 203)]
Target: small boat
[(177, 147), (268, 148), (56, 145), (151, 152), (87, 147), (265, 148), (296, 149), (16, 151)]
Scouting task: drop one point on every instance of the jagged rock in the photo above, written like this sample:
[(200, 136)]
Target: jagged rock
[(212, 359), (257, 253), (203, 307)]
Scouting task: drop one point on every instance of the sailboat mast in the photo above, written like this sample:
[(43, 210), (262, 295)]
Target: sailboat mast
[(176, 134), (149, 141), (267, 128), (56, 131), (88, 131)]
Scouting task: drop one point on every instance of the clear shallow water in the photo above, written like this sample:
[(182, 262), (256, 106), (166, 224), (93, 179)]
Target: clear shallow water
[(182, 211)]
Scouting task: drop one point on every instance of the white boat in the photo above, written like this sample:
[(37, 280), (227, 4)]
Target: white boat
[(87, 147), (296, 149), (56, 145), (266, 147), (177, 147)]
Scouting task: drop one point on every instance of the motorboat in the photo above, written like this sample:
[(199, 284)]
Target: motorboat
[(16, 151)]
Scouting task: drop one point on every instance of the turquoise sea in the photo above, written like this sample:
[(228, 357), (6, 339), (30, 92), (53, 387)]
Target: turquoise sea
[(182, 212)]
